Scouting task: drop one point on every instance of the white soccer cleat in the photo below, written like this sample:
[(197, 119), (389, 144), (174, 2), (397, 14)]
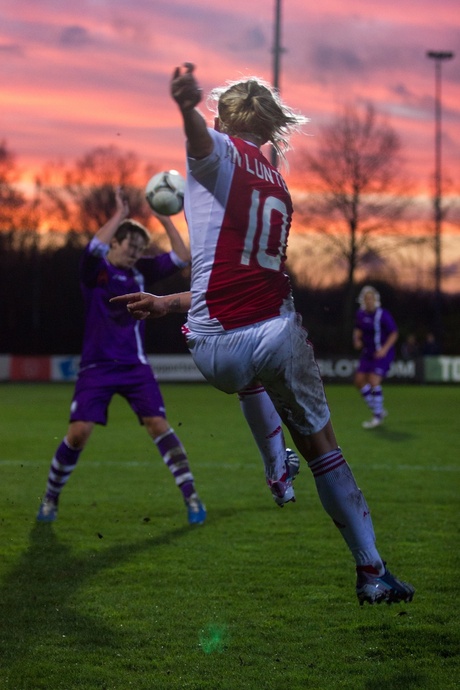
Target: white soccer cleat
[(373, 423), (375, 588), (282, 490)]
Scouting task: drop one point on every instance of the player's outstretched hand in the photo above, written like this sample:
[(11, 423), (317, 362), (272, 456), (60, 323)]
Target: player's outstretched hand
[(184, 87), (142, 305)]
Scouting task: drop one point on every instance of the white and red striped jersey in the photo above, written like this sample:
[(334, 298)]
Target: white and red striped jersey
[(238, 212)]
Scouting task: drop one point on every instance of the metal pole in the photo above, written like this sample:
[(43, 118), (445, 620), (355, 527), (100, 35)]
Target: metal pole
[(438, 57), (277, 50)]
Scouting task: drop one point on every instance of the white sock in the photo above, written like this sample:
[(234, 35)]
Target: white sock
[(377, 397), (266, 428), (345, 504)]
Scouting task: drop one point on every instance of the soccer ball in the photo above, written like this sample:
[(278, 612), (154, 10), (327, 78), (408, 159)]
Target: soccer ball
[(165, 192)]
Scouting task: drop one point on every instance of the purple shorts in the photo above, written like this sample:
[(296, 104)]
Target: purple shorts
[(371, 365), (96, 385)]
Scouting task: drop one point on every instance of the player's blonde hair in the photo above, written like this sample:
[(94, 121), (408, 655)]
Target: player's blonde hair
[(252, 106), (364, 291)]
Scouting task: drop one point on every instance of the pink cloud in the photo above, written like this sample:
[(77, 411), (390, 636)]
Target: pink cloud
[(78, 79)]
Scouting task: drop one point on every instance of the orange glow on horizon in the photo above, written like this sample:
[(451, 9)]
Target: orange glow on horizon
[(78, 80)]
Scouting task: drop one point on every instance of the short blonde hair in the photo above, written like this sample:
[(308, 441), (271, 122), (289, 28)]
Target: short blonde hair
[(364, 291), (253, 106)]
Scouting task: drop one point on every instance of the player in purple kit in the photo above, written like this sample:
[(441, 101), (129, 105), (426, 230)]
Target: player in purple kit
[(113, 357), (241, 326), (375, 334)]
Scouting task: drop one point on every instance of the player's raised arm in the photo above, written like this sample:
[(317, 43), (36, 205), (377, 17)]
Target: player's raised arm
[(187, 94), (106, 233), (143, 305), (177, 243)]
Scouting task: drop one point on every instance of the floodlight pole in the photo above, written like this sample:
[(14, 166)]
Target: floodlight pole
[(277, 50), (438, 57)]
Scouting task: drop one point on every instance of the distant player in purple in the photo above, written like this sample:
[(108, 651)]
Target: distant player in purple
[(375, 335), (113, 357)]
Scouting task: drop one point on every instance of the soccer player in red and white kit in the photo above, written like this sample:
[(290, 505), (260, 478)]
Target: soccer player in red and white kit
[(242, 326)]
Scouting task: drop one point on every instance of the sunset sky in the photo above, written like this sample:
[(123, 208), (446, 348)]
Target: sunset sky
[(76, 75)]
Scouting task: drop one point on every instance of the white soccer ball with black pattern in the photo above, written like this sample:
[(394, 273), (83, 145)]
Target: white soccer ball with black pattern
[(165, 192)]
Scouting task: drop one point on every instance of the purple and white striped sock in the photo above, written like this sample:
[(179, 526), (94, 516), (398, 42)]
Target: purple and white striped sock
[(175, 459), (366, 394), (377, 397), (62, 466)]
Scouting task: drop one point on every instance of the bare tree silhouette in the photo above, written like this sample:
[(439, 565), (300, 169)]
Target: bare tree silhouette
[(86, 198), (11, 199), (356, 191)]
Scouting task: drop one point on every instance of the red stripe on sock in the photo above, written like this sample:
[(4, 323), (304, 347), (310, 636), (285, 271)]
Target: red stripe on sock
[(251, 391), (326, 463), (330, 468)]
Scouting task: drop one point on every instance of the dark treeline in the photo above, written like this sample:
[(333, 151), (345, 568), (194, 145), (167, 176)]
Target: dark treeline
[(350, 180), (417, 313), (41, 308)]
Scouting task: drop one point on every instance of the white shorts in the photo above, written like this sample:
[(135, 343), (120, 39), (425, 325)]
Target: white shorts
[(276, 352)]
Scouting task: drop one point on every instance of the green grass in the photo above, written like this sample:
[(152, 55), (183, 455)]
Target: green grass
[(121, 593)]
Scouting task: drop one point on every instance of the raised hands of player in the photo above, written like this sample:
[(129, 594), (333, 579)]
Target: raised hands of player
[(107, 232), (184, 87), (177, 243), (164, 220), (121, 202)]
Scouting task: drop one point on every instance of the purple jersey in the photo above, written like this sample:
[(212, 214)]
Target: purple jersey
[(375, 328), (111, 334)]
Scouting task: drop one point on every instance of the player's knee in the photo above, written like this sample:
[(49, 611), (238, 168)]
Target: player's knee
[(76, 442), (77, 435), (156, 426)]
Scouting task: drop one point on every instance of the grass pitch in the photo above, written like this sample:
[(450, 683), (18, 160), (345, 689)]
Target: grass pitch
[(121, 593)]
